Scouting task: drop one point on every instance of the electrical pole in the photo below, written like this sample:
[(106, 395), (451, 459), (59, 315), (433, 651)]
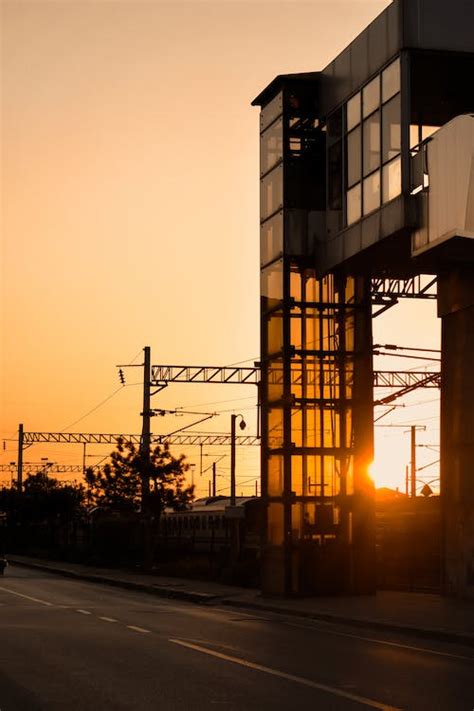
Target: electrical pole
[(214, 478), (413, 461), (20, 458), (146, 435), (232, 459), (145, 461)]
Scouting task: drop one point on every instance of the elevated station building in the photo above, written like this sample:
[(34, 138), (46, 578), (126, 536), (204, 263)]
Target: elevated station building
[(366, 172)]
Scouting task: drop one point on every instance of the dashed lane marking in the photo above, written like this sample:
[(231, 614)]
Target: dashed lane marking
[(107, 619), (84, 612), (138, 629), (290, 677), (27, 597)]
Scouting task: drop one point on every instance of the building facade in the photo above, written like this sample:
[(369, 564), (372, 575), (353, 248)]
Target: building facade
[(365, 172)]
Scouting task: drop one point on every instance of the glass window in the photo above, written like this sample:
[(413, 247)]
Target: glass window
[(275, 428), (392, 179), (354, 204), (271, 283), (391, 129), (372, 192), (269, 112), (275, 333), (372, 143), (335, 176), (271, 239), (353, 157), (415, 137), (391, 80), (275, 380), (275, 475), (371, 97), (271, 192), (353, 112), (271, 146)]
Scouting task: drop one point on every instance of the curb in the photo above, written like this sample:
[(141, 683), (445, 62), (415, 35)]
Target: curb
[(160, 591), (442, 635)]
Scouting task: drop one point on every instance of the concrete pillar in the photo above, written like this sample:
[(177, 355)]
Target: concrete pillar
[(456, 309)]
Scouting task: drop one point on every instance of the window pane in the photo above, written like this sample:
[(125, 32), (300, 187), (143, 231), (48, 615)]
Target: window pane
[(275, 333), (392, 179), (335, 176), (271, 239), (415, 138), (271, 111), (372, 143), (353, 157), (371, 96), (271, 192), (391, 130), (275, 475), (372, 192), (275, 432), (271, 281), (354, 204), (391, 80), (271, 146), (353, 112)]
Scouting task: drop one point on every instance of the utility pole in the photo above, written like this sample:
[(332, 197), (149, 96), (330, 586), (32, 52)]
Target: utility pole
[(20, 458), (232, 459), (145, 461), (146, 435), (214, 478), (413, 461)]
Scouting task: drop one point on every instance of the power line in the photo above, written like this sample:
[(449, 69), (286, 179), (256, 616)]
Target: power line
[(92, 410)]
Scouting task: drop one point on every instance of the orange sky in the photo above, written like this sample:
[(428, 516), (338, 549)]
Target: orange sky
[(130, 211)]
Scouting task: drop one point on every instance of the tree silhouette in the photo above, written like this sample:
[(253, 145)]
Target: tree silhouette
[(118, 485)]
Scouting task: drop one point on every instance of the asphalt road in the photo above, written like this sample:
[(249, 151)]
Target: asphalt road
[(73, 645)]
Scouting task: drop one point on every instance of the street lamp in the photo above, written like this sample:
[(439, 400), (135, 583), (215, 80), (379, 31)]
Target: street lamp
[(242, 425)]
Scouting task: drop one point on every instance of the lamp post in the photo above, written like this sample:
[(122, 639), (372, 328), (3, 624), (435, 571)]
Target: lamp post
[(242, 425)]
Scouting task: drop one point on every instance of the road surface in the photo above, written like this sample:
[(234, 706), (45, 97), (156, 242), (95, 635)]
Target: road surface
[(67, 644)]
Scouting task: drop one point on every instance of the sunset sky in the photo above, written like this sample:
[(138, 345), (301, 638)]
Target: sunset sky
[(130, 215)]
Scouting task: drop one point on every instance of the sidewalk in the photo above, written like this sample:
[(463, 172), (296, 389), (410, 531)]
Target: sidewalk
[(426, 615)]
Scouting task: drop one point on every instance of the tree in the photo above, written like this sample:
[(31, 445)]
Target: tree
[(118, 484)]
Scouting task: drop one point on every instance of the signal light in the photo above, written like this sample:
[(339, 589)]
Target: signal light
[(122, 376)]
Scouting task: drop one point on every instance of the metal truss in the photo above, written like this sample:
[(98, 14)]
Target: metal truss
[(161, 374), (47, 468), (407, 380), (214, 374), (386, 292), (177, 439)]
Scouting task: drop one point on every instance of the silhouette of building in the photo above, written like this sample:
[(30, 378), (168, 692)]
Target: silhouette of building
[(366, 172)]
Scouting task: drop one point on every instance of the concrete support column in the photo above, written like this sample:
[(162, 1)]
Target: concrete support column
[(456, 309)]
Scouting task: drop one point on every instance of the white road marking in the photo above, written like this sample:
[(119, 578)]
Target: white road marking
[(107, 619), (138, 629), (290, 677), (382, 641), (27, 597), (84, 612)]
